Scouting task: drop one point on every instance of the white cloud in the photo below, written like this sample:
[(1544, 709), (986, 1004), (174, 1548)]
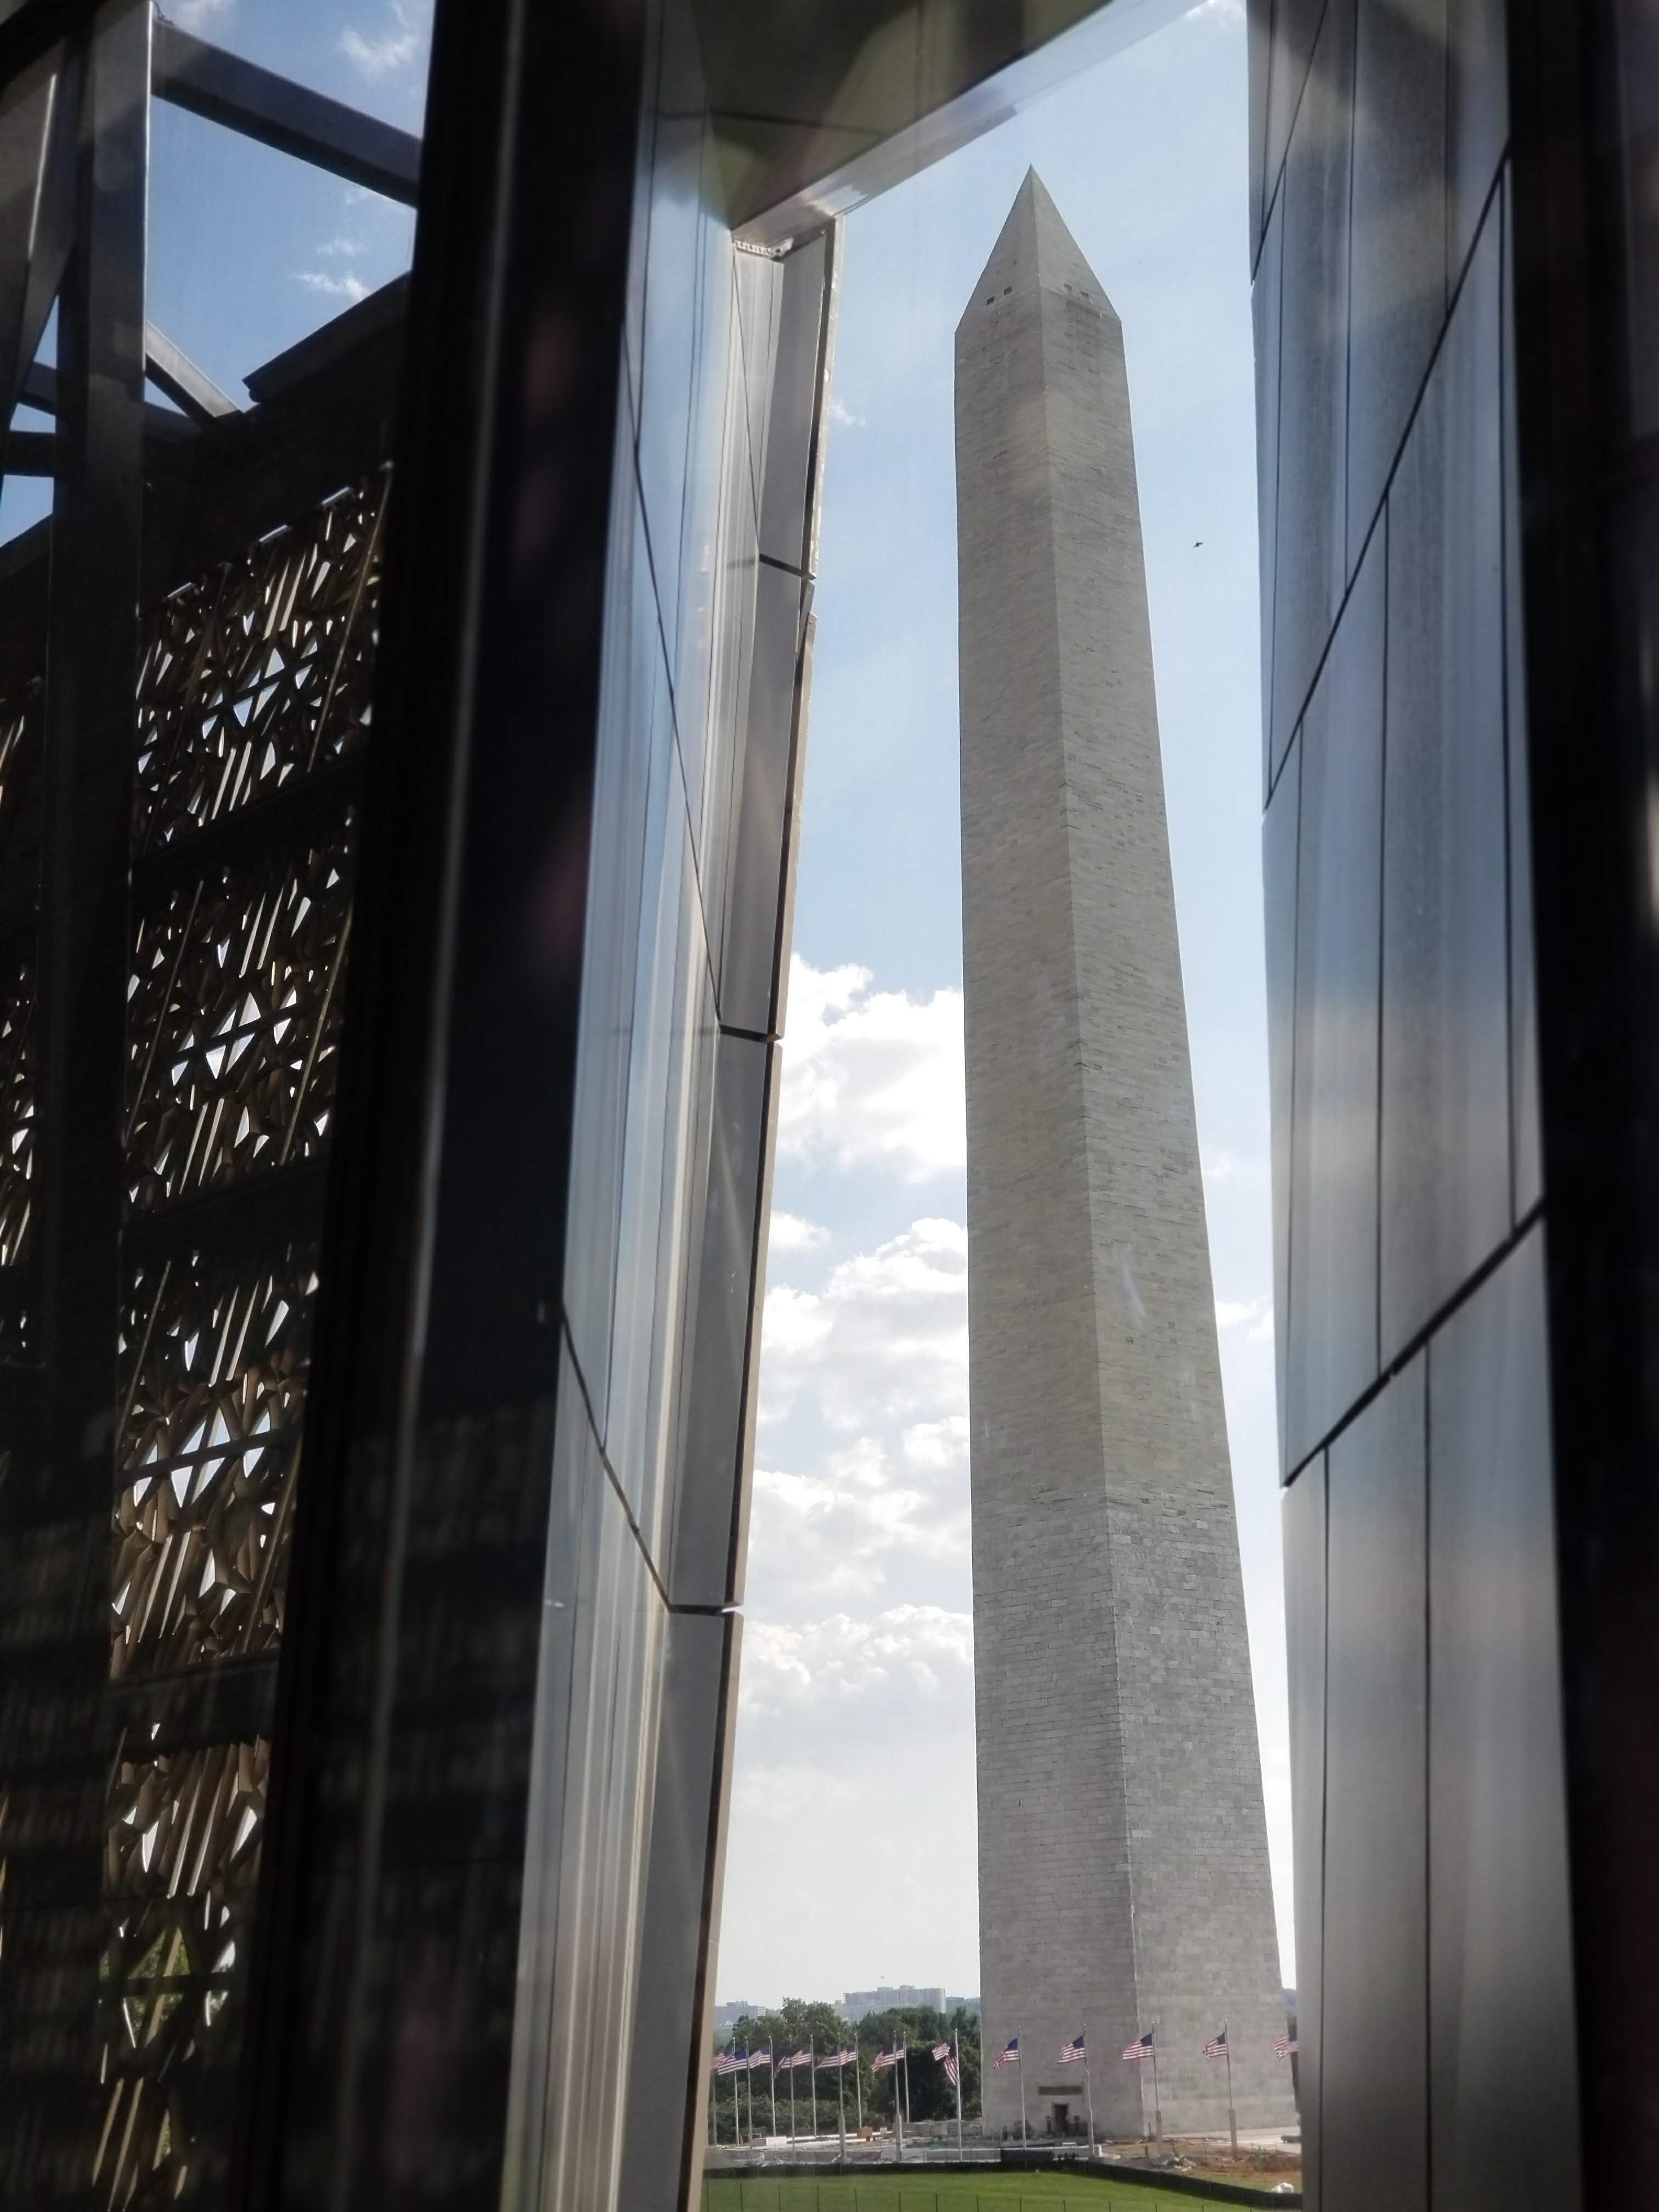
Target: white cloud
[(920, 1653), (346, 287), (1222, 1166), (856, 1752), (793, 1232), (198, 15), (871, 1076), (382, 53), (863, 1399), (886, 1339), (1254, 1316), (845, 1533), (348, 247), (842, 413)]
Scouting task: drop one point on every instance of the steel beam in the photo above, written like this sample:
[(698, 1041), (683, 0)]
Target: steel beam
[(223, 88)]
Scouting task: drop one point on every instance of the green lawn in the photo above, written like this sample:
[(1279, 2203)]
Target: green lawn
[(946, 2192)]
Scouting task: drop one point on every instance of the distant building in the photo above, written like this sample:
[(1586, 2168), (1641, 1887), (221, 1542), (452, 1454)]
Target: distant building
[(728, 2014), (857, 2004), (961, 2004)]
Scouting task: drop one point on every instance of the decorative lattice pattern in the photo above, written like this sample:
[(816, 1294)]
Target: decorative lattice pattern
[(214, 1372), (19, 758), (181, 1870), (16, 1145), (261, 671), (254, 679), (234, 1022)]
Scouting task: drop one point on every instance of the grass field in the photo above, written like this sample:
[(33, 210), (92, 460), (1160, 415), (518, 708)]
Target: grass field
[(947, 2192)]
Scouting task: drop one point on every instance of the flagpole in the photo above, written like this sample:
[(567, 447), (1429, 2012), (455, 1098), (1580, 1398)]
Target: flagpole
[(858, 2082), (898, 2113), (812, 2074), (1232, 2117), (956, 2046), (748, 2085), (1157, 2107), (792, 2099), (1019, 2054), (772, 2076), (841, 2099), (905, 2063), (1088, 2090)]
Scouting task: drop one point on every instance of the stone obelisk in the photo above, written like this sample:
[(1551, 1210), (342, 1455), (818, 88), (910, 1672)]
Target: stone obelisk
[(1122, 1849)]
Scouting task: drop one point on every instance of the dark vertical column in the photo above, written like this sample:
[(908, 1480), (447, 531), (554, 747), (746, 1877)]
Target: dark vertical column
[(1584, 102), (56, 1556), (376, 2070), (91, 683)]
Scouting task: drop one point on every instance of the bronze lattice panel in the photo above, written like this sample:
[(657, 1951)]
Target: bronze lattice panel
[(213, 1389), (254, 680), (235, 1021), (180, 1875), (20, 761), (17, 1100), (261, 671)]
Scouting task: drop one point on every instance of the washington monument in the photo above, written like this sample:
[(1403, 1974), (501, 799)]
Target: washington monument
[(1122, 1849)]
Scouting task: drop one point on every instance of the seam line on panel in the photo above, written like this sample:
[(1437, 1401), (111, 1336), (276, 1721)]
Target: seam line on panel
[(1270, 180), (756, 487), (1348, 328), (1293, 798), (1447, 156), (771, 561), (1408, 1351), (1270, 201), (670, 678), (1324, 1805), (743, 1472), (1428, 1772), (1295, 111), (1505, 492), (1394, 470), (651, 117), (1269, 615), (1383, 940), (748, 1036), (604, 1457)]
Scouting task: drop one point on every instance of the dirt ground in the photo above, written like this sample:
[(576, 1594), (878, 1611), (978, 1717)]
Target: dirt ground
[(1257, 2169)]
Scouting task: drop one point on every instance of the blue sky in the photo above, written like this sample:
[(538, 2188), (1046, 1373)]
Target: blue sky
[(852, 1852), (250, 250)]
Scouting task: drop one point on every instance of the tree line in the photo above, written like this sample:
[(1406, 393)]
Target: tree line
[(796, 2023)]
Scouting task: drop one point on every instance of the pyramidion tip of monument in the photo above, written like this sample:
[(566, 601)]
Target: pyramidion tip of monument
[(1035, 252)]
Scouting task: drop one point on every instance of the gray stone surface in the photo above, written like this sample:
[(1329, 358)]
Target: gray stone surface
[(1123, 1865)]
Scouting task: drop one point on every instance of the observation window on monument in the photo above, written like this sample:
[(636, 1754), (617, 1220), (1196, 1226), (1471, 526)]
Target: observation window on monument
[(1010, 1817)]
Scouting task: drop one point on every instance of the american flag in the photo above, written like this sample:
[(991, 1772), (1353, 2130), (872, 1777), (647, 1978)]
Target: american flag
[(1009, 2055), (838, 2058), (1217, 2045), (730, 2062), (1284, 2046), (1072, 2053), (760, 2057), (947, 2059), (888, 2058), (1141, 2047), (795, 2058)]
